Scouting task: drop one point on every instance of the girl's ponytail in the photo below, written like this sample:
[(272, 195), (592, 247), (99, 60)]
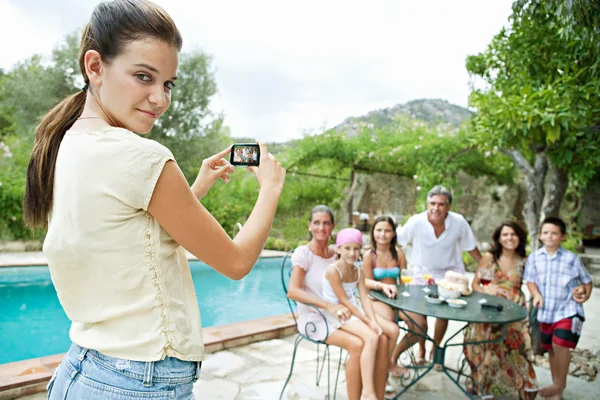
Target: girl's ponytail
[(39, 186)]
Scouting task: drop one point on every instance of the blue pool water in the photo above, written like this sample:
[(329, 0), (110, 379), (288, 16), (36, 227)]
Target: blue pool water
[(33, 324)]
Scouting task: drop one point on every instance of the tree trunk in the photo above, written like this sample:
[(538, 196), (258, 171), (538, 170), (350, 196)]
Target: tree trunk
[(556, 187), (350, 208), (535, 177)]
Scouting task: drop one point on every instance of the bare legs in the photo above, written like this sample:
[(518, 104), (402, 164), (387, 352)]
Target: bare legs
[(441, 326), (361, 343), (560, 358), (385, 319), (410, 338), (354, 346)]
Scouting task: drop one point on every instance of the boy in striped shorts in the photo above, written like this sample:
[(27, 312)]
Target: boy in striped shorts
[(559, 284)]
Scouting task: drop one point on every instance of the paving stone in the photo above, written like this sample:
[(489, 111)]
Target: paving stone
[(216, 389), (222, 363), (276, 352), (257, 374), (260, 391)]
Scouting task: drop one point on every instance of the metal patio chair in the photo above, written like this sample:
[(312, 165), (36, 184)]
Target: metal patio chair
[(304, 334)]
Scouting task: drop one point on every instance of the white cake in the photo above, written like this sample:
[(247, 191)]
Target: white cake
[(454, 281)]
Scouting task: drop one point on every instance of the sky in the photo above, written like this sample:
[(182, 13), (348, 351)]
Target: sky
[(289, 68)]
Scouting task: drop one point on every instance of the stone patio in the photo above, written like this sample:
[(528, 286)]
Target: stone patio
[(257, 372)]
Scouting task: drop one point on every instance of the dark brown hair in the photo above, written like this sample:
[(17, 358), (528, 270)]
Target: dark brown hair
[(393, 243), (112, 25), (556, 222), (497, 247)]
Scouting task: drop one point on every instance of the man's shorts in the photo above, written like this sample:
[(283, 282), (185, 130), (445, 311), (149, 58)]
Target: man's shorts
[(564, 333)]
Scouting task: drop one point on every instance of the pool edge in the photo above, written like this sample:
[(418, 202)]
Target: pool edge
[(26, 377), (38, 258)]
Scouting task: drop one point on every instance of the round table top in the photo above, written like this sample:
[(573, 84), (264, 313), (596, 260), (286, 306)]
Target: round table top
[(472, 312)]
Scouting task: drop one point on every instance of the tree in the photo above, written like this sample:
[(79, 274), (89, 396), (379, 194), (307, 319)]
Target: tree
[(407, 148), (189, 128), (539, 103), (35, 85)]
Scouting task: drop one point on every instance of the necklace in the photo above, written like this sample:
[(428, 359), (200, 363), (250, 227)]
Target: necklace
[(91, 118)]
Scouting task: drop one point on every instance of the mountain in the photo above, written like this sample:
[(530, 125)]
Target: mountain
[(431, 111)]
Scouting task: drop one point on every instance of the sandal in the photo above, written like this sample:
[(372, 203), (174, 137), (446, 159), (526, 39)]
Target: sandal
[(390, 392)]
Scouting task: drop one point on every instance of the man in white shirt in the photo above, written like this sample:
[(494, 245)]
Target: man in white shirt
[(438, 238)]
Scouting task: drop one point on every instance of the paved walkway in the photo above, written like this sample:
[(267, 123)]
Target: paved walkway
[(257, 372)]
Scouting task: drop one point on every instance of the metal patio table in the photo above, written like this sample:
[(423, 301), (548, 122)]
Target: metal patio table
[(473, 312)]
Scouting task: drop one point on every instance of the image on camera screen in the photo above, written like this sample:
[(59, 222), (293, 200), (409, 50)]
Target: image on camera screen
[(246, 154)]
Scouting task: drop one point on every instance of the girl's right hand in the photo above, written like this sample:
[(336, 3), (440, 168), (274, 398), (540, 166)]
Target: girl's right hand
[(341, 312), (375, 326), (270, 174)]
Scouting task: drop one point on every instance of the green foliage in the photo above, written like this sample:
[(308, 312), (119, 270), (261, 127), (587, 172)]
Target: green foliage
[(408, 148), (572, 243), (470, 264), (189, 128), (541, 83), (37, 84)]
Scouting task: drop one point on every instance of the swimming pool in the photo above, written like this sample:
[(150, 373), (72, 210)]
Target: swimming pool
[(33, 324)]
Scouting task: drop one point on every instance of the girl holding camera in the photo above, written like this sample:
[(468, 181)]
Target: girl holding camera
[(119, 212)]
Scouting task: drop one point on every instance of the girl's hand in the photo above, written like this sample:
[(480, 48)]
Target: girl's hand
[(375, 326), (341, 312), (213, 168), (389, 290), (270, 173)]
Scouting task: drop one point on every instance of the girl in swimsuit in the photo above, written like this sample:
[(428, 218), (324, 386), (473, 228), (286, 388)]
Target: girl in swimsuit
[(383, 262)]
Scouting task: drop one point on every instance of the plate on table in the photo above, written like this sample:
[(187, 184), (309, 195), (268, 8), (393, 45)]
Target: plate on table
[(456, 303)]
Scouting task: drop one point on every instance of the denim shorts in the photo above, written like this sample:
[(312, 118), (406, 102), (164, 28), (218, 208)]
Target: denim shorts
[(86, 374)]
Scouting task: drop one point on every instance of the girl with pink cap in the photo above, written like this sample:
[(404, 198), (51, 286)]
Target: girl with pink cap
[(310, 262), (340, 282)]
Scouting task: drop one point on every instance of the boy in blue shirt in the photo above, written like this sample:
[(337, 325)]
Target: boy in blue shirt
[(559, 284)]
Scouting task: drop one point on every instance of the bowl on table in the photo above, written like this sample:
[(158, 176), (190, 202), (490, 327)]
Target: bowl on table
[(456, 303), (448, 294), (434, 298)]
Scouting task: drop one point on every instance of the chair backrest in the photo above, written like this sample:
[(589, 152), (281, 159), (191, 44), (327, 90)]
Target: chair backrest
[(286, 272), (310, 329)]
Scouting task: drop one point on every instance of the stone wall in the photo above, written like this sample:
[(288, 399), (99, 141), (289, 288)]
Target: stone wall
[(483, 205), (590, 210)]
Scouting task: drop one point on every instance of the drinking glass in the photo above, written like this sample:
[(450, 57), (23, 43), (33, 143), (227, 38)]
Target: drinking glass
[(406, 276), (486, 275), (427, 276)]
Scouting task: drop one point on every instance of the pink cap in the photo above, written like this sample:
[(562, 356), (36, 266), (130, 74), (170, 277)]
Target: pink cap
[(348, 235)]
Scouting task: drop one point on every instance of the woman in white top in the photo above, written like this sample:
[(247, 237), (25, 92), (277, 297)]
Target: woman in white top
[(119, 210), (306, 287)]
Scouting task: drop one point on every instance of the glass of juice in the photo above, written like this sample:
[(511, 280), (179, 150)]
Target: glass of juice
[(427, 276), (486, 275), (406, 277)]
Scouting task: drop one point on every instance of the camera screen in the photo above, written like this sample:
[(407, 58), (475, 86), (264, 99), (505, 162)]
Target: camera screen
[(245, 154)]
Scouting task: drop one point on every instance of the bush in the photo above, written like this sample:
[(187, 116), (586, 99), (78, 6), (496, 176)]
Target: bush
[(572, 243)]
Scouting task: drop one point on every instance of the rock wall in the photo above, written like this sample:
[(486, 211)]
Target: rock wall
[(484, 206), (590, 209)]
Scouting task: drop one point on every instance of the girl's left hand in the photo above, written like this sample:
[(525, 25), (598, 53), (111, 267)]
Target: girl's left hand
[(213, 168), (375, 326), (389, 290)]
